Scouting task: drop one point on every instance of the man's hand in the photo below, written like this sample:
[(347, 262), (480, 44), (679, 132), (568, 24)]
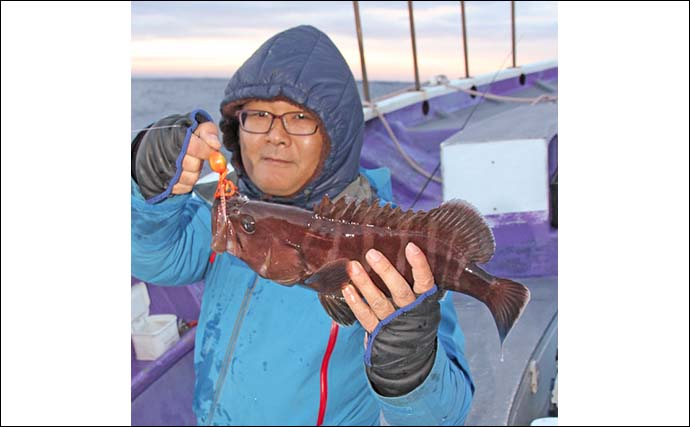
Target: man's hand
[(203, 142), (379, 307), (401, 342), (185, 138)]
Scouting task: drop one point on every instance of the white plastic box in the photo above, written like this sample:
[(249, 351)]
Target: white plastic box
[(151, 335), (497, 177)]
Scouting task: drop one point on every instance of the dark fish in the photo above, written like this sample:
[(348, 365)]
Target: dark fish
[(290, 246)]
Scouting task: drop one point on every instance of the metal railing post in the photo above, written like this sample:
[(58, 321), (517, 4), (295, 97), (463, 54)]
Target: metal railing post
[(365, 81), (414, 46), (512, 21), (464, 39)]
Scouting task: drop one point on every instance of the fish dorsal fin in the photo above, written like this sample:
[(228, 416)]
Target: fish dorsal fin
[(458, 219), (470, 229)]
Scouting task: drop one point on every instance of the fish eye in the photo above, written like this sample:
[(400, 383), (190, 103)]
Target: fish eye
[(248, 224)]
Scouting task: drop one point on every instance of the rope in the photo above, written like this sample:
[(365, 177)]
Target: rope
[(443, 80), (532, 101), (402, 152)]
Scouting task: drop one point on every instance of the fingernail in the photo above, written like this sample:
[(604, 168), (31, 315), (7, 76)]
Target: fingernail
[(413, 248), (356, 268), (373, 255), (348, 294)]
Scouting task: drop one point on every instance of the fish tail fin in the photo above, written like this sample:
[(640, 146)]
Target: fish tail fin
[(505, 298), (507, 301)]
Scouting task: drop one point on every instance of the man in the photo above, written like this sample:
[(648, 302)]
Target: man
[(292, 118)]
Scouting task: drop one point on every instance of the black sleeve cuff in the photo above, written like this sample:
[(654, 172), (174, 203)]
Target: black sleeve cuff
[(403, 351)]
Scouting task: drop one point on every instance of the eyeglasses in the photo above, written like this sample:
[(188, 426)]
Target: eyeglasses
[(294, 122)]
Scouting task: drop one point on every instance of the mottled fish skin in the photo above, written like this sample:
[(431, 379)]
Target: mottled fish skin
[(290, 245)]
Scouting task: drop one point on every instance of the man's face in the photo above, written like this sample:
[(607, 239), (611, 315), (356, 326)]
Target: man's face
[(278, 163)]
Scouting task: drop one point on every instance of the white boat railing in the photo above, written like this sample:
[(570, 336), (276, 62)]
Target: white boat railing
[(433, 89), (438, 86)]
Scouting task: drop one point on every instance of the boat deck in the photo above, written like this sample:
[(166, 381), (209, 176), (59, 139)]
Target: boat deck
[(498, 398)]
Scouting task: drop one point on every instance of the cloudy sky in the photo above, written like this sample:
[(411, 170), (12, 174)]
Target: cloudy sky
[(211, 39)]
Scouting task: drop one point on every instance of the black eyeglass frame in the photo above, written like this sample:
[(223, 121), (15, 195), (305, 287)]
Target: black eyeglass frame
[(273, 118)]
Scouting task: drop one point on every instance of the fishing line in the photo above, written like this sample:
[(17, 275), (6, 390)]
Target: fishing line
[(157, 127)]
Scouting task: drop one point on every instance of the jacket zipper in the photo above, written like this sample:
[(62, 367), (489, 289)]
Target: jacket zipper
[(230, 349)]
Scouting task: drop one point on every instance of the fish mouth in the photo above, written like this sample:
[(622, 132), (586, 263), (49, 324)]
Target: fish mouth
[(233, 244)]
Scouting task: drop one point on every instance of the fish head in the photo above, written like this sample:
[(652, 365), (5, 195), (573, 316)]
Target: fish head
[(246, 234), (230, 228), (262, 235)]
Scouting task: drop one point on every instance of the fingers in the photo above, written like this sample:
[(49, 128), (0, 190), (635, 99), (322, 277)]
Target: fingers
[(378, 302), (204, 141), (208, 132), (400, 290), (191, 164), (189, 177), (374, 305), (186, 182), (191, 170), (199, 148), (361, 309), (421, 271), (181, 189)]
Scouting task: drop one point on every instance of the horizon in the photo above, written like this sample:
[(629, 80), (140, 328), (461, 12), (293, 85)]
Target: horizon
[(171, 77), (164, 46)]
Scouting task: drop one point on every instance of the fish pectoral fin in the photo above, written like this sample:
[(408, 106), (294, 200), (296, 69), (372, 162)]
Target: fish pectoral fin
[(337, 308), (328, 281), (329, 278)]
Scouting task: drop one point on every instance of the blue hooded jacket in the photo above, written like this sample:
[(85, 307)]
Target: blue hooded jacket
[(304, 66), (259, 345)]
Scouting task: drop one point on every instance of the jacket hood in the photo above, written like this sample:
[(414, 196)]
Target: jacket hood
[(303, 65)]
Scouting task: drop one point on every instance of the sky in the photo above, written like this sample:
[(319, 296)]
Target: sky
[(212, 39)]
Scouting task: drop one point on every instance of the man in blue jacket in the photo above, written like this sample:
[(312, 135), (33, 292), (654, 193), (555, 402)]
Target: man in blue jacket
[(292, 118)]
